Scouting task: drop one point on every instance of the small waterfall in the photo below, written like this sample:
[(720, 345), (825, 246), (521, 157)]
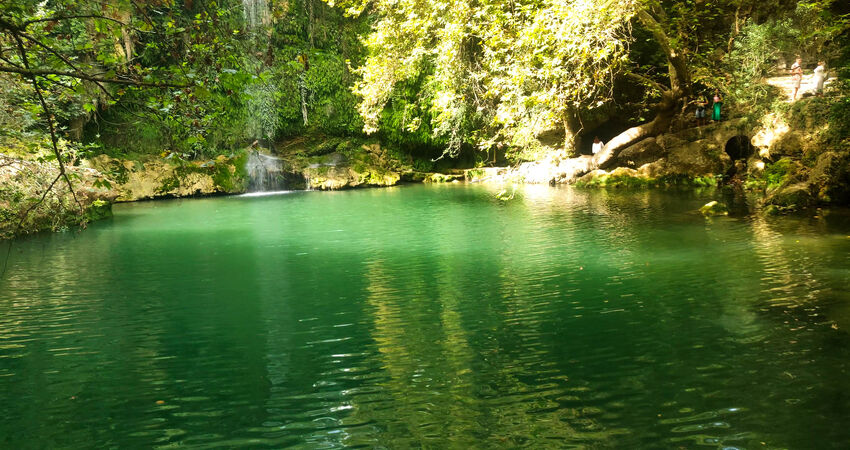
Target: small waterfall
[(256, 12), (267, 173)]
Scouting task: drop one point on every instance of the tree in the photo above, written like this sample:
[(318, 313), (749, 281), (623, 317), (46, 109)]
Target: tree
[(699, 42), (80, 58), (496, 73), (38, 44)]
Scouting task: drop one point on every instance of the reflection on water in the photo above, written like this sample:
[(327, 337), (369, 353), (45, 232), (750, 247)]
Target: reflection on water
[(429, 316)]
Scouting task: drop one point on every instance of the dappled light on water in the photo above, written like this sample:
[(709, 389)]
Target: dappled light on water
[(436, 316)]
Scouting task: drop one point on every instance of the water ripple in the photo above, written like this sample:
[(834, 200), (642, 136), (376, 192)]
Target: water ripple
[(427, 316)]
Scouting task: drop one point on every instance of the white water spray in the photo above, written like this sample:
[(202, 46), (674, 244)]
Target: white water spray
[(265, 173)]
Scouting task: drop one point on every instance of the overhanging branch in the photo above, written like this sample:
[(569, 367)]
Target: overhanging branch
[(646, 80), (80, 16), (88, 77)]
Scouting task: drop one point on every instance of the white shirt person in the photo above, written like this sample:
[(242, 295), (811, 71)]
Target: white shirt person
[(597, 145), (820, 77)]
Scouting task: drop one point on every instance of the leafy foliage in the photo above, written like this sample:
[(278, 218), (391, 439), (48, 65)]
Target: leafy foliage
[(492, 74), (203, 77)]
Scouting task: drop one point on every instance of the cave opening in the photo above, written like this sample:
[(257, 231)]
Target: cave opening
[(739, 147)]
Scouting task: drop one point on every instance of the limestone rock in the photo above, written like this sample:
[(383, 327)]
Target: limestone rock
[(645, 151), (670, 141), (442, 178), (789, 144), (24, 208), (624, 172), (537, 172), (830, 177), (698, 158), (591, 177), (654, 169), (342, 177), (163, 177), (483, 174)]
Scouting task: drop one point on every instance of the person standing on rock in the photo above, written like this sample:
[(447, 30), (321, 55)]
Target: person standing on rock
[(796, 76), (597, 145), (718, 105), (700, 112), (820, 78)]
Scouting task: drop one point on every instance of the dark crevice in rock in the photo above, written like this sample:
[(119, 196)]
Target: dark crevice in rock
[(739, 147)]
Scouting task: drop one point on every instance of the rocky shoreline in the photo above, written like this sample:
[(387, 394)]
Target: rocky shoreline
[(783, 161)]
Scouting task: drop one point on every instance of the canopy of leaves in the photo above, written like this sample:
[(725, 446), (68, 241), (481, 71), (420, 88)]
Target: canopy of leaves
[(496, 73)]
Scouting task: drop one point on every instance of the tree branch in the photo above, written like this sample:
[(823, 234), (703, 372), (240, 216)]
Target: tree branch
[(8, 61), (53, 139), (87, 77), (680, 77), (58, 55), (646, 80), (80, 16)]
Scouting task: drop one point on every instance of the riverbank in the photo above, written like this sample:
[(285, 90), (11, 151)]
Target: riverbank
[(797, 156), (34, 196), (794, 158)]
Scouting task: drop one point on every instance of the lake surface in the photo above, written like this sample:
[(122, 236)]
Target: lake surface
[(433, 316)]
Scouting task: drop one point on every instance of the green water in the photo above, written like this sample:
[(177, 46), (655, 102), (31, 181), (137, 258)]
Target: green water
[(431, 316)]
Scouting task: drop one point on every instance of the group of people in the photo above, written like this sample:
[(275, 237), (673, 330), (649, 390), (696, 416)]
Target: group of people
[(818, 75), (716, 108)]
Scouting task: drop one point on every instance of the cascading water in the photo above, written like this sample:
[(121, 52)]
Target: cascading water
[(267, 174)]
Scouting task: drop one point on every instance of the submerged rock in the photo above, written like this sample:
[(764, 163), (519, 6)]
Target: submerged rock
[(714, 208)]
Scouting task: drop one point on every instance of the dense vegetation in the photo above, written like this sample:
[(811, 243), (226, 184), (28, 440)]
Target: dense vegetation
[(486, 81)]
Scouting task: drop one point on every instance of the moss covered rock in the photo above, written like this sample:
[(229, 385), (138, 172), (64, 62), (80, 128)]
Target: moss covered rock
[(155, 177), (442, 178), (349, 163), (791, 197), (619, 177), (98, 210), (483, 174), (830, 177), (33, 199), (348, 176)]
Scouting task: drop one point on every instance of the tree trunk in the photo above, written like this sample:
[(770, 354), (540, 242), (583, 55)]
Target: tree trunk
[(680, 85), (677, 66), (665, 111), (310, 20), (302, 87), (572, 126)]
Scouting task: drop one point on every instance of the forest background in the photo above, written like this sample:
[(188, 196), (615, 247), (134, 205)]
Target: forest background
[(442, 82)]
